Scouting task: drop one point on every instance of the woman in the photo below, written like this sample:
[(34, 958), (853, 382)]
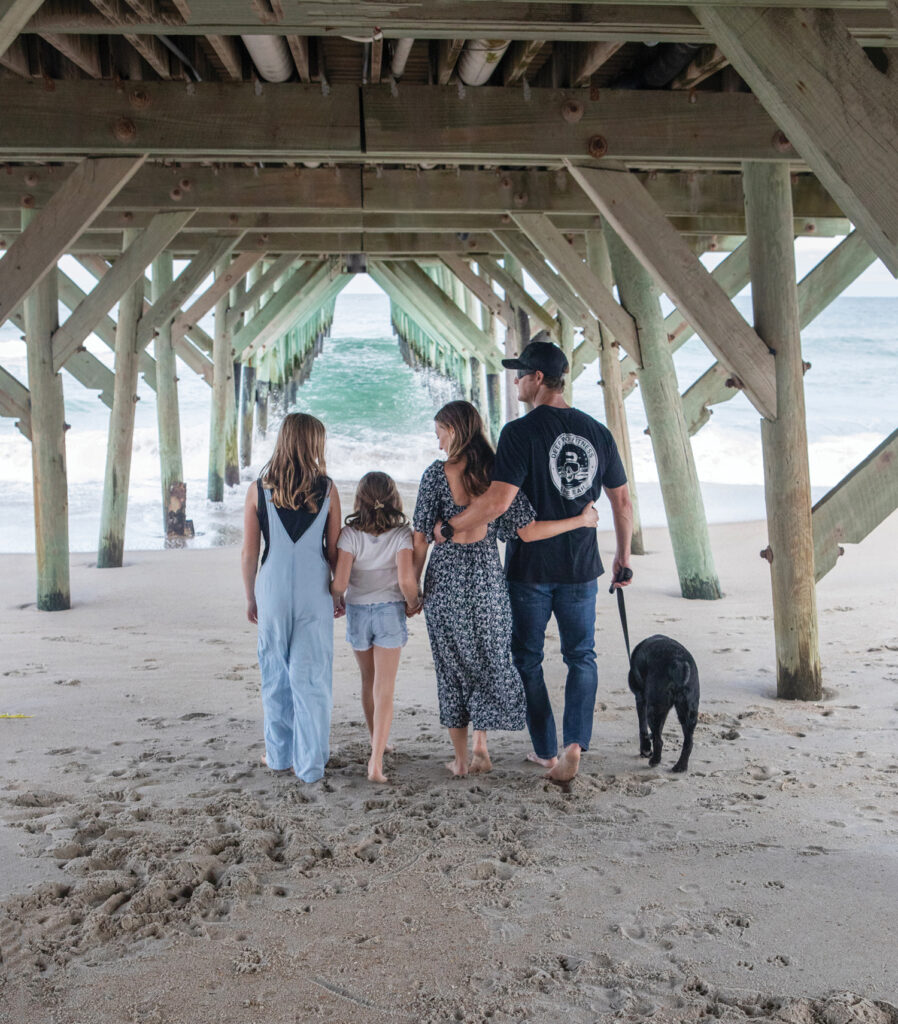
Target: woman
[(295, 508), (465, 596)]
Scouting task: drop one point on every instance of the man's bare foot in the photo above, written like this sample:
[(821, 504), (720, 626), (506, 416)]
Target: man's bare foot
[(546, 762), (458, 768), (480, 763), (376, 772), (567, 766)]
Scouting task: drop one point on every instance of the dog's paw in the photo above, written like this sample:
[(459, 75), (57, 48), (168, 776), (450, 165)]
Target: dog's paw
[(654, 761), (645, 751), (680, 767)]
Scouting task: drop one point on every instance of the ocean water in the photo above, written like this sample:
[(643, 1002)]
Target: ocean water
[(379, 415)]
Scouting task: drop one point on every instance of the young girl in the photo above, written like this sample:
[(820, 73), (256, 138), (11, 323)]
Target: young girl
[(466, 601), (295, 508), (374, 560)]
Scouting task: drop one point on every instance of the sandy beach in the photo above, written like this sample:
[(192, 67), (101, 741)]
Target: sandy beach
[(153, 871)]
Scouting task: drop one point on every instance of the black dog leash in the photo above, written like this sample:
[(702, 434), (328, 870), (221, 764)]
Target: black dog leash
[(622, 576)]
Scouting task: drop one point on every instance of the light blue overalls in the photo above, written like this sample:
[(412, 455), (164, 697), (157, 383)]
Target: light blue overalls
[(296, 646)]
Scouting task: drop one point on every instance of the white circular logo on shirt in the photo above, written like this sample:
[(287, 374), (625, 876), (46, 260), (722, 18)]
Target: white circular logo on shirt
[(572, 464)]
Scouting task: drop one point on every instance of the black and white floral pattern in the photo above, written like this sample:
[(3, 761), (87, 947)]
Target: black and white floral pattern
[(468, 614)]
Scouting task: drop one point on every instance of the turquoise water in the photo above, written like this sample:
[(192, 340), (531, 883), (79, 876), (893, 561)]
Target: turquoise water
[(379, 415)]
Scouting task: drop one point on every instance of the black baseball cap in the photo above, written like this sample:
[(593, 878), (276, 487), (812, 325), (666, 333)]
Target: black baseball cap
[(540, 354)]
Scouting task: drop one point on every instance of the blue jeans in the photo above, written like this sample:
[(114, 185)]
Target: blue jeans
[(574, 607)]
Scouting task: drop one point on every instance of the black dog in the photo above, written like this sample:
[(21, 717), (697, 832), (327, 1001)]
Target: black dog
[(663, 675)]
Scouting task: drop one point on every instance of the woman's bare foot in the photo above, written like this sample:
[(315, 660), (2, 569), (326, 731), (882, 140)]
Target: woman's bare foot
[(480, 763), (263, 760), (566, 768), (458, 768), (545, 762), (376, 772)]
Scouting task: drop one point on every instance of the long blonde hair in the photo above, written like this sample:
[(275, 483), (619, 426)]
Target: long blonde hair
[(378, 505), (296, 468)]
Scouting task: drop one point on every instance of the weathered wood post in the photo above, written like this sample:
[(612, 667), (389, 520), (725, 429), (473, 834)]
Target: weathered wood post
[(114, 508), (670, 441), (612, 385), (171, 469), (566, 326), (51, 496), (248, 385), (787, 483), (493, 385), (222, 368), (232, 456), (513, 343)]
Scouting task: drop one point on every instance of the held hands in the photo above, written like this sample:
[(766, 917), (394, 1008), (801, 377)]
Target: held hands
[(339, 606), (414, 609), (590, 516)]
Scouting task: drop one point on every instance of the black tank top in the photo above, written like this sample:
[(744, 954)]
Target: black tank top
[(295, 521)]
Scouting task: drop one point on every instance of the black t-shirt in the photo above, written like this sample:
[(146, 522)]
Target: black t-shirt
[(296, 521), (561, 459)]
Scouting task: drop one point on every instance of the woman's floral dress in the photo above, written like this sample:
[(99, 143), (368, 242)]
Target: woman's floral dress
[(468, 614)]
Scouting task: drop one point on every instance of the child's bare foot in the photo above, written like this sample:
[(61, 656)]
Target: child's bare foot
[(566, 768), (545, 762), (376, 772), (458, 768), (390, 748), (480, 763)]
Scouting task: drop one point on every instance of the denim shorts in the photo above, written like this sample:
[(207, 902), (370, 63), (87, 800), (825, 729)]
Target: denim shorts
[(380, 624)]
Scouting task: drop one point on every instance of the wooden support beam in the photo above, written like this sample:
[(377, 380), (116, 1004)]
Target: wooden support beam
[(857, 504), (15, 400), (299, 48), (48, 455), (708, 61), (86, 191), (531, 259), (817, 289), (223, 283), (588, 58), (447, 57), (680, 488), (494, 124), (403, 298), (836, 109), (14, 16), (580, 278), (636, 217), (474, 340), (377, 59), (168, 120), (279, 313), (114, 506), (517, 294), (223, 363), (479, 287), (612, 392), (257, 287), (784, 441), (82, 51), (518, 60), (167, 303), (129, 268), (227, 49), (168, 414), (732, 274)]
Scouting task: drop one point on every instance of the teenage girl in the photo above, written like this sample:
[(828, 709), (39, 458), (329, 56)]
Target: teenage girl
[(295, 508), (376, 574)]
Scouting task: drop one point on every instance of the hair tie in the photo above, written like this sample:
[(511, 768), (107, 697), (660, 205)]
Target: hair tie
[(378, 505)]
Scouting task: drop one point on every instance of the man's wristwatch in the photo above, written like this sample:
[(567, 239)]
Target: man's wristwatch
[(447, 531)]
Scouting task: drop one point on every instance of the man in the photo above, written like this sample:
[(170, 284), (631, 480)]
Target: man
[(561, 458)]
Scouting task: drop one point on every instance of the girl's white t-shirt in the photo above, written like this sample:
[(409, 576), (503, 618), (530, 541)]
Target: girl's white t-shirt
[(374, 578)]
